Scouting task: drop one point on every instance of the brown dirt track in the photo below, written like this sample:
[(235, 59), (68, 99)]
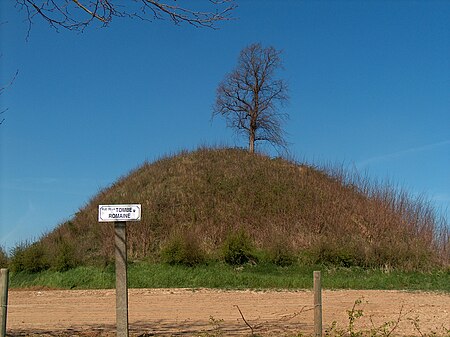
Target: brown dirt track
[(186, 312)]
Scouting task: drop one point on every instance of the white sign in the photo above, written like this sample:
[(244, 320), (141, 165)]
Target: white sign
[(111, 213)]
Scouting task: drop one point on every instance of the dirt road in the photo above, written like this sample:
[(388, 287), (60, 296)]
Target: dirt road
[(173, 312)]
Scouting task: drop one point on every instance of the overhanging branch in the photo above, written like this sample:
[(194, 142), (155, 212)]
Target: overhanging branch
[(64, 14)]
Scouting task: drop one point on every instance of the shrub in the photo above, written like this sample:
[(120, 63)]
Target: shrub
[(280, 253), (28, 257), (331, 252), (64, 257), (238, 249), (183, 249), (3, 258)]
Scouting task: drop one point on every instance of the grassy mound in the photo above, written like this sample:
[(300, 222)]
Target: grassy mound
[(195, 204)]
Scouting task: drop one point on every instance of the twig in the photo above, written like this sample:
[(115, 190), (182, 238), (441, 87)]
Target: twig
[(392, 324), (400, 316), (295, 314), (251, 328)]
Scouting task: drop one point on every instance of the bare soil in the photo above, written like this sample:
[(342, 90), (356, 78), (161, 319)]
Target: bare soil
[(187, 312)]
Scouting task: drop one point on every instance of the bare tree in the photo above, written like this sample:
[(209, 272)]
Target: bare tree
[(78, 14), (251, 98)]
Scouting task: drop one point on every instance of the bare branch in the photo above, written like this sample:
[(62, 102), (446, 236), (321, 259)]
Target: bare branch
[(2, 89), (93, 13), (78, 14)]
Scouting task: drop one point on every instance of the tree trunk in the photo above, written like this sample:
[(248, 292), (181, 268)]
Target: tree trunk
[(251, 142)]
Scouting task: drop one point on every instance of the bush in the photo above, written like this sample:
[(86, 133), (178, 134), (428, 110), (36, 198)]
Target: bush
[(3, 258), (183, 249), (30, 258), (238, 249), (330, 252), (280, 253), (65, 257)]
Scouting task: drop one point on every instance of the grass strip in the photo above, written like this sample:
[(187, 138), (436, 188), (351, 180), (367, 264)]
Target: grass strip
[(223, 276)]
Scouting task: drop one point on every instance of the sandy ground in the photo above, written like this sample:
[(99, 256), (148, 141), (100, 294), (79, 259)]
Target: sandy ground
[(174, 312)]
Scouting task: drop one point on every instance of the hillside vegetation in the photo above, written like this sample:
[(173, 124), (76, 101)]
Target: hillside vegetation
[(228, 204)]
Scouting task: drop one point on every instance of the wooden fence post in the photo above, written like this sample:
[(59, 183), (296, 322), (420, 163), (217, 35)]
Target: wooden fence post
[(3, 300), (317, 304)]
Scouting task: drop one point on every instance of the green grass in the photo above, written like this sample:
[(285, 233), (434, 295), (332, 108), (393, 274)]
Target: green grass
[(79, 278), (219, 275)]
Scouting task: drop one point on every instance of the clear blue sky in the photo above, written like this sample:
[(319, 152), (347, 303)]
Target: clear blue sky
[(369, 86)]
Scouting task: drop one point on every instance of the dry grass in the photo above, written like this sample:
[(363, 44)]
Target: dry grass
[(321, 214)]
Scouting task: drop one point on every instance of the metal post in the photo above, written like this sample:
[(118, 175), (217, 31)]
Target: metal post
[(3, 300), (317, 304), (121, 278)]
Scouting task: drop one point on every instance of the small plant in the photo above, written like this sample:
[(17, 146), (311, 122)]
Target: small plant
[(238, 249), (216, 328), (353, 315), (332, 330), (183, 249)]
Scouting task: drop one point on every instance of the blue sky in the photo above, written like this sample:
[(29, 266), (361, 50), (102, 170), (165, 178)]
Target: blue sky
[(369, 88)]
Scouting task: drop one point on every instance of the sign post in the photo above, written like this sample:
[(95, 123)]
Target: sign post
[(120, 214), (120, 238)]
